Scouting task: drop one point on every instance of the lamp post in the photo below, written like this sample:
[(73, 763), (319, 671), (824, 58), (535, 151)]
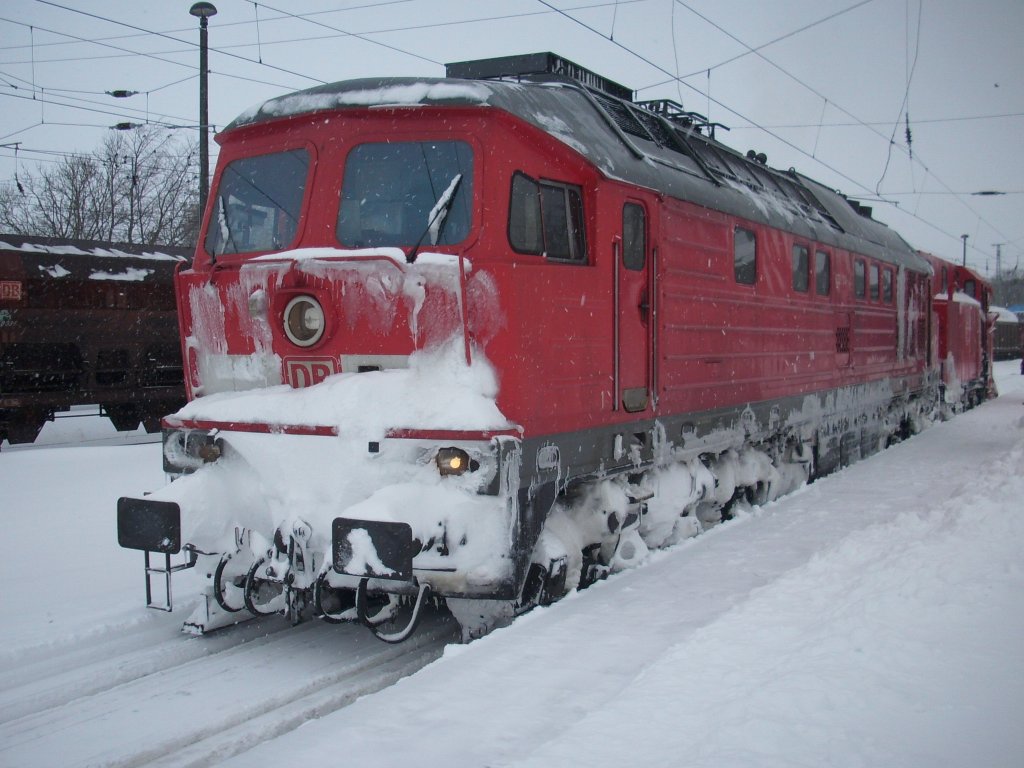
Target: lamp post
[(964, 238), (203, 11)]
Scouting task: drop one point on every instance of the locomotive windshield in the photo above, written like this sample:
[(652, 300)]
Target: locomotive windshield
[(390, 194), (257, 204)]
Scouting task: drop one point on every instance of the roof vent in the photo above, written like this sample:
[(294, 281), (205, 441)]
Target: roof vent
[(862, 210), (528, 64)]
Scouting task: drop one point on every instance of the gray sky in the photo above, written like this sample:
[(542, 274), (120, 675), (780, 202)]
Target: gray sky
[(825, 100)]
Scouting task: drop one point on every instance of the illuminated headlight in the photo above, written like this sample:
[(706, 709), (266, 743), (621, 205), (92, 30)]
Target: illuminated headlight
[(304, 321), (454, 461)]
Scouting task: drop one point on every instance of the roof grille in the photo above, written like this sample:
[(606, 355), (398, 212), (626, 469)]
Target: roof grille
[(622, 115), (535, 64)]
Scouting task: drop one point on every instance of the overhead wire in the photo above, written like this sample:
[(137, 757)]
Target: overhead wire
[(124, 109), (906, 96), (550, 9), (890, 141), (353, 34), (175, 39), (800, 150), (755, 49), (227, 24)]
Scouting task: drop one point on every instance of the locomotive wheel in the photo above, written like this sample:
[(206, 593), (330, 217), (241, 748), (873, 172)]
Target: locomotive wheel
[(335, 606), (229, 584), (263, 597)]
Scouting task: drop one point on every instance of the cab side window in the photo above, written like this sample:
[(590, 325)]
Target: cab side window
[(887, 286), (801, 268), (546, 218), (822, 273), (744, 256), (634, 236), (859, 279)]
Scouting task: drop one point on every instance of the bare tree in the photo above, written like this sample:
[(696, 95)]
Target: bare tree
[(138, 187)]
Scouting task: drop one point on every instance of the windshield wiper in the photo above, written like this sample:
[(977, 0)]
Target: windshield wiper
[(437, 218), (226, 234)]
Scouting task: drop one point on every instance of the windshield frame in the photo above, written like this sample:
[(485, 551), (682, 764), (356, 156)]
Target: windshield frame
[(420, 229), (246, 150)]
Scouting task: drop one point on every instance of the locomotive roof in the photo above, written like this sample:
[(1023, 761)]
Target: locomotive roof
[(89, 259), (630, 143)]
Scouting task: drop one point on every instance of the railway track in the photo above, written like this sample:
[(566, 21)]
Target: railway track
[(156, 697)]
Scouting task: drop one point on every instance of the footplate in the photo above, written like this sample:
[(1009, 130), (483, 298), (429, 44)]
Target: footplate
[(374, 549)]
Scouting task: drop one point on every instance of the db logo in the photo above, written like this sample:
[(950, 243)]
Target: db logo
[(309, 371), (10, 290)]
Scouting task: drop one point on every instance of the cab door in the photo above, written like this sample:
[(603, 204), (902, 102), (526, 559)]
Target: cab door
[(634, 310)]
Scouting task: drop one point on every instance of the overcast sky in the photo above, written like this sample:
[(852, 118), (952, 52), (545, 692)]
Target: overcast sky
[(829, 81)]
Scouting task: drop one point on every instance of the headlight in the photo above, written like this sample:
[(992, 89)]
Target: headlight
[(186, 450), (304, 321), (454, 461)]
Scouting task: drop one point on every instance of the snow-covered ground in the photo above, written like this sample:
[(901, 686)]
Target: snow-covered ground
[(874, 618)]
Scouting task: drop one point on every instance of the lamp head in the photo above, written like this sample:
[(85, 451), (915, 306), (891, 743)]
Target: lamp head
[(203, 10)]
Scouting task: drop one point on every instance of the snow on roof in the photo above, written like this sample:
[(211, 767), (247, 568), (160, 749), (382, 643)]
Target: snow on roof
[(1003, 315), (55, 247), (399, 92)]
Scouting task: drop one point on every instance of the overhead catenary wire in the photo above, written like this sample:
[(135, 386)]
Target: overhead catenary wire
[(858, 184), (890, 142), (264, 17), (170, 37)]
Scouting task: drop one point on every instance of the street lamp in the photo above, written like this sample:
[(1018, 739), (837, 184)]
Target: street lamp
[(203, 11)]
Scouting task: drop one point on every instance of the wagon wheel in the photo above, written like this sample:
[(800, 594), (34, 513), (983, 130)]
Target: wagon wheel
[(229, 584), (262, 596)]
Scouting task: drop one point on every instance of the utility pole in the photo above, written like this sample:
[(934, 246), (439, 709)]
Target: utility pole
[(999, 258), (964, 238), (203, 11)]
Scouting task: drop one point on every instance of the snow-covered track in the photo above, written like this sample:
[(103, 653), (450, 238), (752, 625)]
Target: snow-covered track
[(194, 701)]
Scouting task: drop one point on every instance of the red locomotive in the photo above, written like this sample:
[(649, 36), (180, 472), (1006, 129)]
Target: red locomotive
[(481, 340), (964, 332)]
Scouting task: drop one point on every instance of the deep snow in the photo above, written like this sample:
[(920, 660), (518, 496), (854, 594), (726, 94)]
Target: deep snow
[(874, 618)]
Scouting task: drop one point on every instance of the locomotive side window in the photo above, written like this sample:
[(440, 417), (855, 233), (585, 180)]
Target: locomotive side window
[(744, 256), (859, 278), (524, 231), (634, 237), (887, 286), (822, 273), (546, 218), (258, 203), (874, 282), (406, 192), (801, 268)]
